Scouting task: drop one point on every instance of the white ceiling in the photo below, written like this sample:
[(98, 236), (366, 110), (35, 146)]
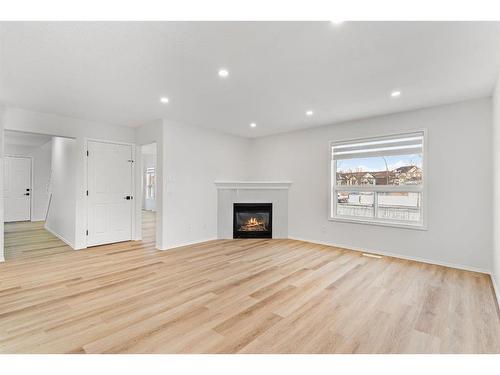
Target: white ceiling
[(14, 138), (115, 72)]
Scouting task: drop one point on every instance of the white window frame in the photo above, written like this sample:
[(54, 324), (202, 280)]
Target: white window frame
[(422, 188)]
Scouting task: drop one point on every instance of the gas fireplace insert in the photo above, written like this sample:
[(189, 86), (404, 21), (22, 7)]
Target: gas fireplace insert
[(252, 220)]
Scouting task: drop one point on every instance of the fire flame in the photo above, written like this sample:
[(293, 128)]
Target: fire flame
[(254, 224), (253, 221)]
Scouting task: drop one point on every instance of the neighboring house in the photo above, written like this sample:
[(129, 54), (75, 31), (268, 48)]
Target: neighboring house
[(356, 178), (406, 175)]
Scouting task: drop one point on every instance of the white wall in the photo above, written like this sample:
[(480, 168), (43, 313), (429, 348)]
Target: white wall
[(496, 189), (51, 124), (195, 158), (61, 217), (42, 160), (459, 167), (41, 164)]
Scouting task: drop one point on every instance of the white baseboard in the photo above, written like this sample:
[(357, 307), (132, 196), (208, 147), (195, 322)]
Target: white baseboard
[(69, 243), (400, 256), (189, 243)]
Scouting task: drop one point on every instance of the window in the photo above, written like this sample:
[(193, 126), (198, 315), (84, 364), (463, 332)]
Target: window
[(150, 183), (379, 180)]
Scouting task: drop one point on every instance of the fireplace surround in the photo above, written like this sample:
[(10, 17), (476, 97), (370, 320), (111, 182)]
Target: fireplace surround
[(252, 220), (230, 192)]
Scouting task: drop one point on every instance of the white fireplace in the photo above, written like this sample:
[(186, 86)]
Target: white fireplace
[(231, 192)]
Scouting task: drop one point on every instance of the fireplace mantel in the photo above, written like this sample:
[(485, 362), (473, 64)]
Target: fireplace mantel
[(270, 185)]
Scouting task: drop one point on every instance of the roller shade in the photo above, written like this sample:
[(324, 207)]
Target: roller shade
[(394, 145)]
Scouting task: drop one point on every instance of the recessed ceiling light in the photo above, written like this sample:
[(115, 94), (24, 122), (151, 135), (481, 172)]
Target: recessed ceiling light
[(336, 22), (395, 94), (309, 113), (164, 100), (253, 125), (223, 73)]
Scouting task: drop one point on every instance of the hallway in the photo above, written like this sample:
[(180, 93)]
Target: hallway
[(29, 239)]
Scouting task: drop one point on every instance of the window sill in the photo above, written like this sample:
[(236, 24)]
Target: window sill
[(379, 223)]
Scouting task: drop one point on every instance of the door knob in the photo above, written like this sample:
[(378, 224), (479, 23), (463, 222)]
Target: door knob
[(27, 194), (128, 197)]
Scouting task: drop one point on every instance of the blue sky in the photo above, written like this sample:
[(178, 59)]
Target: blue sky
[(377, 163)]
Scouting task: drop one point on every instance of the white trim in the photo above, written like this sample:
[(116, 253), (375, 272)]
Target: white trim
[(280, 185), (394, 255), (86, 139), (378, 135), (345, 144), (190, 243), (393, 224), (60, 237), (496, 289), (381, 188)]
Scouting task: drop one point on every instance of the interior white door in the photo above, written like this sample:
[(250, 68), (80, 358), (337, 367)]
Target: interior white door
[(17, 188), (110, 193)]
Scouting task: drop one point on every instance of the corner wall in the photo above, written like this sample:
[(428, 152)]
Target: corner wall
[(61, 216), (194, 159), (458, 174), (496, 189)]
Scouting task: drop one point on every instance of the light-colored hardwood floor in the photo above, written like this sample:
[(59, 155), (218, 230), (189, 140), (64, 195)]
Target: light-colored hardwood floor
[(30, 240), (239, 296)]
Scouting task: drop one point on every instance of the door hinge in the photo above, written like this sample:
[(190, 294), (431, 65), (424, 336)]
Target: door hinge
[(87, 232), (87, 152), (87, 193)]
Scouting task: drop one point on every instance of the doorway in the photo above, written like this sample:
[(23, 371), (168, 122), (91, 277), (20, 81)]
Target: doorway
[(149, 192), (17, 188), (33, 226)]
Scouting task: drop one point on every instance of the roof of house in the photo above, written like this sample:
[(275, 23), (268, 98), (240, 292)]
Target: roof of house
[(405, 169)]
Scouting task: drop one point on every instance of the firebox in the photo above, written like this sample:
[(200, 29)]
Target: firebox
[(252, 220)]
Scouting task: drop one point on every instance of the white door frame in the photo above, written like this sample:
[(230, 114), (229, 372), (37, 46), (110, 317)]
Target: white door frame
[(86, 183), (31, 178)]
